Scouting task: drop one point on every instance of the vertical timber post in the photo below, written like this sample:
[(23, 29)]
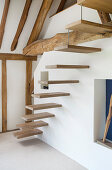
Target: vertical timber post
[(28, 99), (4, 96)]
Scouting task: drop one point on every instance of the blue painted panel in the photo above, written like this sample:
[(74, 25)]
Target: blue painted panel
[(108, 95)]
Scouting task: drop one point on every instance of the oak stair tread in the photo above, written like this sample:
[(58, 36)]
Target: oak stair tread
[(47, 95), (77, 49), (102, 5), (32, 124), (89, 27), (67, 66), (43, 106), (37, 116), (27, 133), (58, 82)]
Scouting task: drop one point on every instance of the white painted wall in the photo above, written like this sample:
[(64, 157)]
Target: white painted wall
[(99, 108), (72, 130)]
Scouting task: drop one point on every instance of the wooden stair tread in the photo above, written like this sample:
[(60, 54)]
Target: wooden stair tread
[(27, 133), (67, 66), (89, 27), (37, 116), (102, 5), (46, 95), (32, 124), (77, 49), (43, 106), (58, 82)]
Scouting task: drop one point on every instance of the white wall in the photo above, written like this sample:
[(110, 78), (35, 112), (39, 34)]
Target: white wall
[(99, 108), (72, 130)]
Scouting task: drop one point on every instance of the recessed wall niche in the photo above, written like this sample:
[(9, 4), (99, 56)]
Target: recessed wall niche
[(102, 94)]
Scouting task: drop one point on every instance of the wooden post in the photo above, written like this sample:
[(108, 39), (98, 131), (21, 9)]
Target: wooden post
[(3, 20), (4, 96), (28, 100)]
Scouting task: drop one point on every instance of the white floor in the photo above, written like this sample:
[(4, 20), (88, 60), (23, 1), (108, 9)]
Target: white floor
[(32, 154)]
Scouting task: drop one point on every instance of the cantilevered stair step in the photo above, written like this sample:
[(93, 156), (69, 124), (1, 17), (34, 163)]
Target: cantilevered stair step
[(67, 66), (37, 116), (27, 133), (89, 27), (47, 95), (32, 124), (43, 106), (77, 49), (102, 5), (58, 82)]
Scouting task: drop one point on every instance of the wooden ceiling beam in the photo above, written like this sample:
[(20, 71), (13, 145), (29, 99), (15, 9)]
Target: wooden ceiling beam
[(9, 56), (21, 24), (41, 46), (104, 17), (40, 20), (3, 20), (61, 6)]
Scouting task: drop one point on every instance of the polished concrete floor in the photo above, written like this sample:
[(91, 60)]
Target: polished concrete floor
[(32, 154)]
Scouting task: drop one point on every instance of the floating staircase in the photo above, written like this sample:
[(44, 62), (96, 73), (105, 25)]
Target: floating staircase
[(67, 66), (102, 5), (77, 49), (47, 95), (89, 27), (32, 124), (37, 116), (58, 82), (43, 106), (27, 133)]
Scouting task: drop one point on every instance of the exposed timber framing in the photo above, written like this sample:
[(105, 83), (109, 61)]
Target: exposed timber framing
[(61, 6), (9, 56), (28, 98), (40, 20), (4, 96), (41, 46), (21, 24), (104, 17), (3, 20)]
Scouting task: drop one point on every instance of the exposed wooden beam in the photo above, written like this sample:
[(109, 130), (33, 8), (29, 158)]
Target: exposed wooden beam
[(61, 6), (28, 99), (9, 56), (104, 17), (4, 96), (41, 46), (40, 20), (21, 24), (3, 20)]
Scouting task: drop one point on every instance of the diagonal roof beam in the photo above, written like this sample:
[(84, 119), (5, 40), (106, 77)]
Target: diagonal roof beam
[(21, 24), (104, 17), (40, 20), (3, 20), (61, 6)]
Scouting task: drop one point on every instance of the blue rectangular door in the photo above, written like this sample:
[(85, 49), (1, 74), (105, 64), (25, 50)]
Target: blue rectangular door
[(108, 95)]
